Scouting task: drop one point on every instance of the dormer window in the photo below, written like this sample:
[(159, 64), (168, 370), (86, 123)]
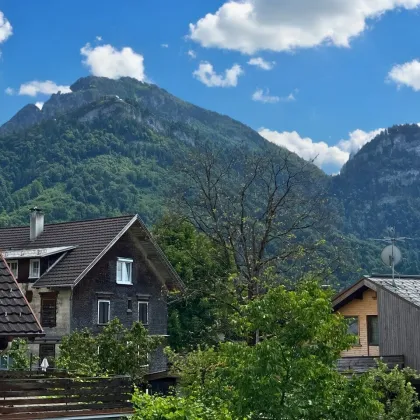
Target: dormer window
[(124, 271), (34, 269), (14, 268)]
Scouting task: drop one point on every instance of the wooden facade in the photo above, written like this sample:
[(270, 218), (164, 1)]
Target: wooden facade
[(361, 308), (399, 327)]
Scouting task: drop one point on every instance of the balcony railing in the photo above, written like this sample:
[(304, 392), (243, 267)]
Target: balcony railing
[(364, 363)]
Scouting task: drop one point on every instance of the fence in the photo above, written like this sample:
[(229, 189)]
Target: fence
[(32, 395)]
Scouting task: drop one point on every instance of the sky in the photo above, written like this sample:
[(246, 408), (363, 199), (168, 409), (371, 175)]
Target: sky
[(321, 78)]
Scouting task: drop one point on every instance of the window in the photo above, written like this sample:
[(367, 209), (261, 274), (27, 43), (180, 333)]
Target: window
[(47, 351), (124, 271), (48, 310), (34, 269), (144, 313), (4, 362), (129, 305), (14, 268), (373, 330), (353, 326), (103, 311)]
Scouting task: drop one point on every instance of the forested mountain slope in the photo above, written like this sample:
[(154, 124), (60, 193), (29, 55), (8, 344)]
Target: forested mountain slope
[(104, 149), (109, 147)]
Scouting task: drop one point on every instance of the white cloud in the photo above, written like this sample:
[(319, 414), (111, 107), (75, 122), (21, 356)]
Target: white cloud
[(407, 74), (192, 53), (206, 74), (164, 45), (281, 25), (99, 38), (6, 29), (9, 91), (36, 87), (39, 105), (107, 61), (261, 63), (264, 96), (260, 96), (333, 157)]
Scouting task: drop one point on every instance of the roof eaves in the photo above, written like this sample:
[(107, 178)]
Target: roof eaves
[(162, 255)]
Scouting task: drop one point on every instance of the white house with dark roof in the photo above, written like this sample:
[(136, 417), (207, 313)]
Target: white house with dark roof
[(85, 273), (384, 315)]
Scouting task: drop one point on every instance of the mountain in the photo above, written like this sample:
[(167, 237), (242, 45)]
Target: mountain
[(379, 187), (108, 147)]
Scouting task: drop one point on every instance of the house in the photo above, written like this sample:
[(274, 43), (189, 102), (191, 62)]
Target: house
[(17, 320), (384, 315), (85, 273)]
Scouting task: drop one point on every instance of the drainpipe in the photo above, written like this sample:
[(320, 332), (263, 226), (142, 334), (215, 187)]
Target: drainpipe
[(71, 309)]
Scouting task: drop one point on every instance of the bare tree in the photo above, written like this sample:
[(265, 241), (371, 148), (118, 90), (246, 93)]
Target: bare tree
[(263, 207)]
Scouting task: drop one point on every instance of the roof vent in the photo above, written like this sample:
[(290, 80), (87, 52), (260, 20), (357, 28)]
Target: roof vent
[(36, 226)]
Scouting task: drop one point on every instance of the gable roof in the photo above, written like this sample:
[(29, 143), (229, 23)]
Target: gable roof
[(404, 287), (91, 239), (16, 316)]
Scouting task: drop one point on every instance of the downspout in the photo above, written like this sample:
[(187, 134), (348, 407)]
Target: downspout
[(71, 309)]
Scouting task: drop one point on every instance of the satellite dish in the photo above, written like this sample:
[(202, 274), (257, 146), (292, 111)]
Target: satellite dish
[(391, 255)]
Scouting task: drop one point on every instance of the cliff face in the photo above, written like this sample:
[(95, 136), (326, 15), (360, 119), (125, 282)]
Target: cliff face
[(380, 185)]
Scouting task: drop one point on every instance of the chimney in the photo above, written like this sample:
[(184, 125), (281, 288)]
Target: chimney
[(36, 226)]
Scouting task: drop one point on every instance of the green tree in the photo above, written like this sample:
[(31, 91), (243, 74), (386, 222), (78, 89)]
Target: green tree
[(197, 316), (19, 354), (291, 373), (116, 350), (156, 407)]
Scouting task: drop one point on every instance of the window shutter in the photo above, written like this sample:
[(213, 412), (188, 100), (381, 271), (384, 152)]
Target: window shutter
[(49, 310), (144, 313)]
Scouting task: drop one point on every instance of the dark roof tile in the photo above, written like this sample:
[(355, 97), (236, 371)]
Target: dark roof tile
[(16, 316)]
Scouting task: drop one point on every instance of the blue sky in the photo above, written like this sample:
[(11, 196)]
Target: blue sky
[(326, 75)]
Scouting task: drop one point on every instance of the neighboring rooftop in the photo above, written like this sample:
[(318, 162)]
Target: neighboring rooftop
[(16, 316), (405, 287)]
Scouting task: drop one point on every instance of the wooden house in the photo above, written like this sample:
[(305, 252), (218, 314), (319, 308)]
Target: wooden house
[(384, 315)]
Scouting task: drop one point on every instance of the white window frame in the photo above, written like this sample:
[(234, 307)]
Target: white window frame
[(109, 310), (142, 302), (17, 267), (33, 275), (125, 261)]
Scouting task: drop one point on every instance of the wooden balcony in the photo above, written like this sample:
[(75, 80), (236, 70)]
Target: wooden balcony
[(364, 363)]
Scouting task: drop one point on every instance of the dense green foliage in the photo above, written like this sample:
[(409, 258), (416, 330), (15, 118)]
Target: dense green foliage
[(116, 350), (19, 355), (289, 374), (198, 316)]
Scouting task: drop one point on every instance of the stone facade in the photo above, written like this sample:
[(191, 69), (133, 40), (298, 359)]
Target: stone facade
[(362, 308)]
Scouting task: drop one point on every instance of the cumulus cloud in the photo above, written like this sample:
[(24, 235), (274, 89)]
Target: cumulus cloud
[(333, 157), (6, 29), (261, 63), (39, 105), (99, 38), (107, 61), (407, 74), (280, 25), (37, 87), (164, 45), (207, 75)]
